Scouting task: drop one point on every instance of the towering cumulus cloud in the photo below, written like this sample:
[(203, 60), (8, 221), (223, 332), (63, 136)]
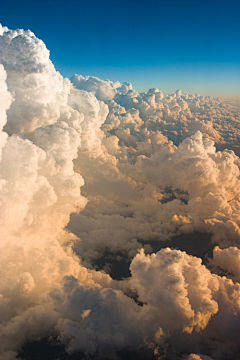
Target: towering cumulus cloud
[(100, 188)]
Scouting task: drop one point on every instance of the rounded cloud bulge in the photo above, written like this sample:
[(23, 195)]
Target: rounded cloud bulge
[(120, 222)]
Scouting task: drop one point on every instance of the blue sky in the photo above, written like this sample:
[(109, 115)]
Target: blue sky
[(191, 45)]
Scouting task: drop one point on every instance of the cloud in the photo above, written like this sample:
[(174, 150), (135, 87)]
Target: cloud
[(198, 357), (102, 89), (175, 190), (138, 134), (228, 260), (177, 115), (39, 90), (92, 170), (5, 104), (177, 286)]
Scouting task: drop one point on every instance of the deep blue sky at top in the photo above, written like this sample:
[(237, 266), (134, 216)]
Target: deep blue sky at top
[(192, 45)]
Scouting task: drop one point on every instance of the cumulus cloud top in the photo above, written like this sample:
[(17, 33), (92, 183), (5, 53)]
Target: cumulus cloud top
[(91, 173), (39, 90)]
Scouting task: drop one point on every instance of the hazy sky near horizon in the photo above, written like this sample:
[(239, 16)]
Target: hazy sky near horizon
[(191, 45)]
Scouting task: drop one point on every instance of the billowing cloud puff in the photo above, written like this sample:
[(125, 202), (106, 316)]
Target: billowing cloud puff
[(176, 297), (102, 89), (228, 260), (177, 286), (91, 172), (39, 90), (6, 100)]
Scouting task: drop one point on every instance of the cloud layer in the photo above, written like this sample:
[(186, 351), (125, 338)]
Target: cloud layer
[(94, 173)]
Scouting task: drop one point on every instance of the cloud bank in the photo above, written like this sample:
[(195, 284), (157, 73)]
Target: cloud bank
[(95, 174)]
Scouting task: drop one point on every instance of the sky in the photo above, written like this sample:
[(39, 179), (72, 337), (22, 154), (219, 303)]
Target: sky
[(191, 45)]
